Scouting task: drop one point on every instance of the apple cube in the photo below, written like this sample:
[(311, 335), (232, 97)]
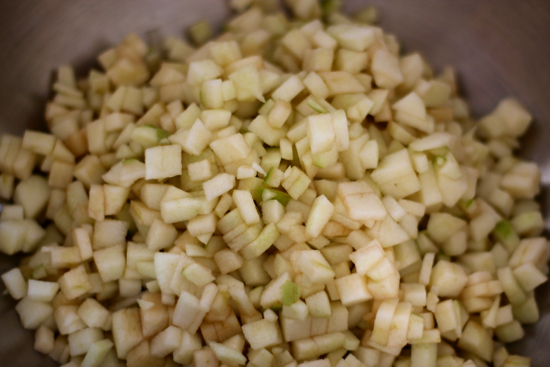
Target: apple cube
[(511, 287), (155, 318), (81, 239), (385, 69), (477, 340), (218, 185), (230, 148), (110, 263), (109, 233), (189, 344), (75, 282), (163, 162), (80, 341), (262, 334), (352, 289), (140, 356), (441, 226), (67, 319), (200, 171), (227, 354), (288, 90), (186, 311), (44, 340), (42, 291), (38, 142), (320, 133), (166, 342), (267, 237), (319, 215), (124, 173), (193, 140), (424, 354), (198, 275), (450, 278), (33, 313), (97, 353), (510, 332), (160, 235), (247, 84), (181, 209), (314, 266), (245, 203), (271, 136), (319, 305), (33, 194), (15, 283), (93, 313), (296, 182), (228, 261), (126, 330)]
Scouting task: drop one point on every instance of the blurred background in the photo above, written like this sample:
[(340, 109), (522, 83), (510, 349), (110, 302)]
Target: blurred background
[(499, 47)]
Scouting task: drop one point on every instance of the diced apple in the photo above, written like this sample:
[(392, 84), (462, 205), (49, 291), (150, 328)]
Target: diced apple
[(15, 283), (163, 162), (126, 330), (262, 334)]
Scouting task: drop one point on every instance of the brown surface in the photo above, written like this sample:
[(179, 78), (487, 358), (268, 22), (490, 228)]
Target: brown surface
[(500, 48)]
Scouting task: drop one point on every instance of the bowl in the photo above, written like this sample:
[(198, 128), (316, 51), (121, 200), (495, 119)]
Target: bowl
[(499, 47)]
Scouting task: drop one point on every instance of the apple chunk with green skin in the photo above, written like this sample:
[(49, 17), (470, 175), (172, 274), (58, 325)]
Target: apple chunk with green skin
[(266, 238), (163, 162), (273, 293), (290, 293)]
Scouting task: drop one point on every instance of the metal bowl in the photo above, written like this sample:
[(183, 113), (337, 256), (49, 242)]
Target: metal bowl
[(499, 47)]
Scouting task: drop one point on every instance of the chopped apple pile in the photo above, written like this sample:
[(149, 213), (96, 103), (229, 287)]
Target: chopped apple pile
[(293, 192)]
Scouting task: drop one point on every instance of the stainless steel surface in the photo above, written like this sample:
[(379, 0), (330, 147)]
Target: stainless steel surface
[(500, 48)]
